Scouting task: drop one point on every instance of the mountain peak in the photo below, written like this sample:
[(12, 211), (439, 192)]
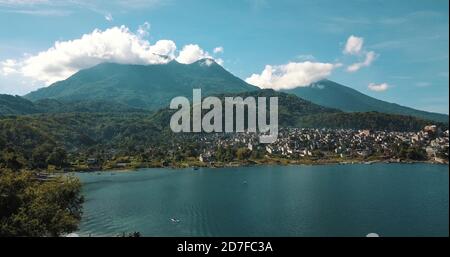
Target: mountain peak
[(144, 86), (205, 62)]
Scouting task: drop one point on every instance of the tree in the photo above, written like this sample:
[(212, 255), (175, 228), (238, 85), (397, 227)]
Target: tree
[(29, 207), (416, 153), (318, 153), (257, 154), (13, 159), (40, 155), (57, 157), (243, 153)]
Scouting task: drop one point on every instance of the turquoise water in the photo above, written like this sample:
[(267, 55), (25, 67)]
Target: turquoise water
[(329, 200)]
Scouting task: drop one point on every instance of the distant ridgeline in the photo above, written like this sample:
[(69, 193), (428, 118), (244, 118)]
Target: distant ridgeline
[(334, 95), (297, 112), (293, 112)]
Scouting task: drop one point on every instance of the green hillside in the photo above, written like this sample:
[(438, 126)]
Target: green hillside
[(368, 120), (296, 112), (334, 95), (143, 86), (16, 105)]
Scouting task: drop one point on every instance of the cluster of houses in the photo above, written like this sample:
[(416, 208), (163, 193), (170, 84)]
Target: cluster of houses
[(342, 143), (299, 143)]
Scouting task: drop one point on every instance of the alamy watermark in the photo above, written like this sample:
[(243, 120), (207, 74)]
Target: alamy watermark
[(212, 121)]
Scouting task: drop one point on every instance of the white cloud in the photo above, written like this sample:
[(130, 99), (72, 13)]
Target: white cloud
[(218, 50), (291, 75), (116, 44), (378, 87), (370, 57), (108, 17), (192, 53), (143, 30), (354, 45), (8, 67)]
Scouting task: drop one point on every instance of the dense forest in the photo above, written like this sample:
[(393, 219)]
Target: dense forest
[(367, 120)]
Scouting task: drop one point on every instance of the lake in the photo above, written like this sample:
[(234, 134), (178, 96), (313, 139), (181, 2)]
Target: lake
[(326, 200)]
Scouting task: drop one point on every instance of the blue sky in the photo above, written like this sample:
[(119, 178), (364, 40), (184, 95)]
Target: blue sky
[(302, 41)]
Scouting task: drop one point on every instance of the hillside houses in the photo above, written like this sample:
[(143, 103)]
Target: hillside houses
[(337, 143)]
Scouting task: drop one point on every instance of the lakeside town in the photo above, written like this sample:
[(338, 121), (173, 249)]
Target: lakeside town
[(294, 143), (294, 146)]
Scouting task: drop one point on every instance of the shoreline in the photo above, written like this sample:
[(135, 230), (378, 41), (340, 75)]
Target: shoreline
[(252, 163)]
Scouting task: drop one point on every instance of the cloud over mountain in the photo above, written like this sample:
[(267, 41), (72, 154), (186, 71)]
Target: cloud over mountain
[(378, 87), (291, 75), (116, 44), (191, 53), (301, 74)]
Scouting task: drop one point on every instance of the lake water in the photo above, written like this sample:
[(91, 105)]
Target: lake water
[(329, 200)]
